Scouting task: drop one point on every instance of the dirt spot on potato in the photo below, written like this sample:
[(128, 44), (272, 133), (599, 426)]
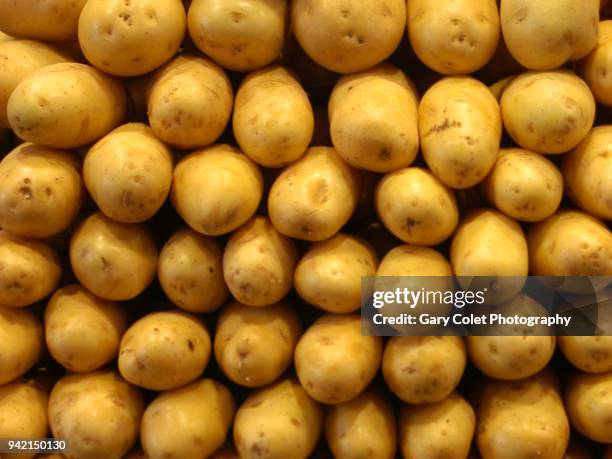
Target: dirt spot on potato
[(520, 15), (236, 16), (25, 192), (446, 124), (385, 154), (190, 345)]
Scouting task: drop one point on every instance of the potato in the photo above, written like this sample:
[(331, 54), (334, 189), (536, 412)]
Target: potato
[(519, 419), (190, 271), (348, 36), (126, 39), (322, 354), (441, 429), (589, 405), (592, 354), (278, 421), (41, 190), (329, 274), (254, 346), (548, 112), (460, 131), (362, 427), (190, 102), (115, 261), (409, 261), (240, 35), (82, 331), (416, 207), (216, 189), (588, 173), (423, 369), (273, 120), (128, 173), (54, 20), (544, 35), (21, 341), (97, 413), (454, 37), (524, 185), (30, 270), (189, 422), (595, 67), (315, 196)]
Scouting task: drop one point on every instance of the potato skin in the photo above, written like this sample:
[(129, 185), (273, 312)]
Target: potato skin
[(594, 69), (128, 173), (273, 120), (254, 346), (460, 131), (82, 331), (191, 421), (164, 350), (21, 341), (589, 405), (592, 354)]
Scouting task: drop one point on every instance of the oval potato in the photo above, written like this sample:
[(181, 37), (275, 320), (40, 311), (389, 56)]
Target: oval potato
[(21, 341), (597, 66), (592, 354), (589, 405)]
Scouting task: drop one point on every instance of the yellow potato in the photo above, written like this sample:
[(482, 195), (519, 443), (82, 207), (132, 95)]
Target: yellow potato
[(216, 189), (190, 271), (254, 346), (128, 173), (30, 270), (442, 429), (454, 37), (190, 102), (131, 37), (348, 36), (329, 274), (240, 35), (460, 131), (273, 120), (189, 422), (588, 173), (115, 261), (408, 261), (98, 414), (82, 331), (589, 405), (362, 427), (592, 354), (524, 185), (315, 196), (278, 421), (21, 341), (322, 354), (41, 190), (544, 34), (597, 66), (548, 112)]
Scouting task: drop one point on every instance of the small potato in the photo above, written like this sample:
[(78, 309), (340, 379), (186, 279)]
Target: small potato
[(190, 102), (278, 421), (115, 261), (442, 429), (273, 120), (460, 131), (454, 37), (190, 271), (98, 414), (82, 331), (592, 354), (254, 346), (348, 36), (21, 342), (588, 173), (217, 189), (322, 354), (128, 173), (548, 112), (258, 263), (128, 38), (329, 274), (524, 185), (30, 270), (240, 35), (594, 69), (416, 207), (589, 405), (313, 198), (544, 35), (362, 427), (423, 369), (190, 422), (41, 190)]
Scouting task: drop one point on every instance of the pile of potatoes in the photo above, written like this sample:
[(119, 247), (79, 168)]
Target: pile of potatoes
[(191, 192)]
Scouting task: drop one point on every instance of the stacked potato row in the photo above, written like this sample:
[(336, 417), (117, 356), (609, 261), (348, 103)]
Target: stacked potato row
[(203, 184)]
